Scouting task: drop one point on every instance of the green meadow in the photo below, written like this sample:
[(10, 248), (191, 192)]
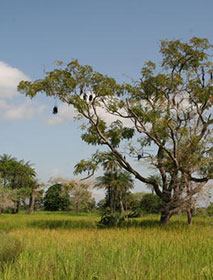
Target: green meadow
[(61, 246)]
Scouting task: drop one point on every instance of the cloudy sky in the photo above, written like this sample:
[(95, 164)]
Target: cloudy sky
[(115, 36)]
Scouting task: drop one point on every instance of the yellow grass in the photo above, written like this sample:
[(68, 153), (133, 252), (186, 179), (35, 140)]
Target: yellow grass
[(61, 247)]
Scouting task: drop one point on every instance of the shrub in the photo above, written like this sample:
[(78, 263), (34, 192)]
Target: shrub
[(201, 212), (210, 209), (111, 219), (10, 249), (134, 213), (151, 203)]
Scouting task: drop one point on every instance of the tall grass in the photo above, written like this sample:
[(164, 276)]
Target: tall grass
[(58, 246)]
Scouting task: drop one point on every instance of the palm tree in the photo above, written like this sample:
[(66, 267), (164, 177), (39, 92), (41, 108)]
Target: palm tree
[(5, 158), (110, 163), (117, 186), (4, 166)]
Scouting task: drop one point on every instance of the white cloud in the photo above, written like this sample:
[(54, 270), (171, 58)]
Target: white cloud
[(24, 111), (9, 80), (55, 172), (10, 107)]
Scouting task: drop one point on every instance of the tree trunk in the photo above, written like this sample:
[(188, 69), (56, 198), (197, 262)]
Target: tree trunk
[(32, 202), (110, 198), (165, 217), (121, 205), (77, 206), (16, 210), (189, 216)]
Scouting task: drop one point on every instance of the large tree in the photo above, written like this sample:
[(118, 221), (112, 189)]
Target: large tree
[(169, 108)]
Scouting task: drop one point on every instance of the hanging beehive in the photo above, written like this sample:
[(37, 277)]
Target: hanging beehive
[(55, 110)]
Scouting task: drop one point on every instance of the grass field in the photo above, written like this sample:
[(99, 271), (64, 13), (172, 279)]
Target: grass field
[(63, 246)]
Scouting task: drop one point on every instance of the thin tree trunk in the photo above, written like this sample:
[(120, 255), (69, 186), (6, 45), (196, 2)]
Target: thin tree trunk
[(32, 202), (189, 216), (110, 198), (16, 210), (77, 206), (121, 205)]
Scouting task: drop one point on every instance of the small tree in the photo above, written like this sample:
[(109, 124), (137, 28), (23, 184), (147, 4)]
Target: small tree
[(80, 195), (56, 199), (117, 185)]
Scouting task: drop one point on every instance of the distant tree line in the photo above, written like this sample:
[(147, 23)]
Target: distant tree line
[(20, 189)]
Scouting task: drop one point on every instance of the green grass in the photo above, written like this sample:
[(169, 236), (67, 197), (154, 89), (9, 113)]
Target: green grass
[(62, 246)]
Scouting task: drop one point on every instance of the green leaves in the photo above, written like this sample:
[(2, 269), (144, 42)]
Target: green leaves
[(180, 56), (117, 132), (89, 166)]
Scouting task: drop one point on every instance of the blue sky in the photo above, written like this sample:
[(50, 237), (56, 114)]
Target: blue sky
[(115, 37)]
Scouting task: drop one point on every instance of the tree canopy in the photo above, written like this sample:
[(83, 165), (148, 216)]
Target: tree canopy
[(56, 199), (168, 108)]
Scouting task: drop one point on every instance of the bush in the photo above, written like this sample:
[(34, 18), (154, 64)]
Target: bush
[(10, 249), (201, 212), (111, 219), (210, 209), (134, 214), (151, 203)]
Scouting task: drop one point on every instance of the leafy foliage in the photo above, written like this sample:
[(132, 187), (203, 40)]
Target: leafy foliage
[(111, 219), (18, 176), (210, 209), (7, 198), (151, 204), (56, 199)]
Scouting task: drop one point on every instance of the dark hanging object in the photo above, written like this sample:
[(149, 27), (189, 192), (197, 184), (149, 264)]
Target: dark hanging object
[(124, 158), (139, 157), (211, 76), (203, 76), (55, 110), (85, 97), (90, 97)]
